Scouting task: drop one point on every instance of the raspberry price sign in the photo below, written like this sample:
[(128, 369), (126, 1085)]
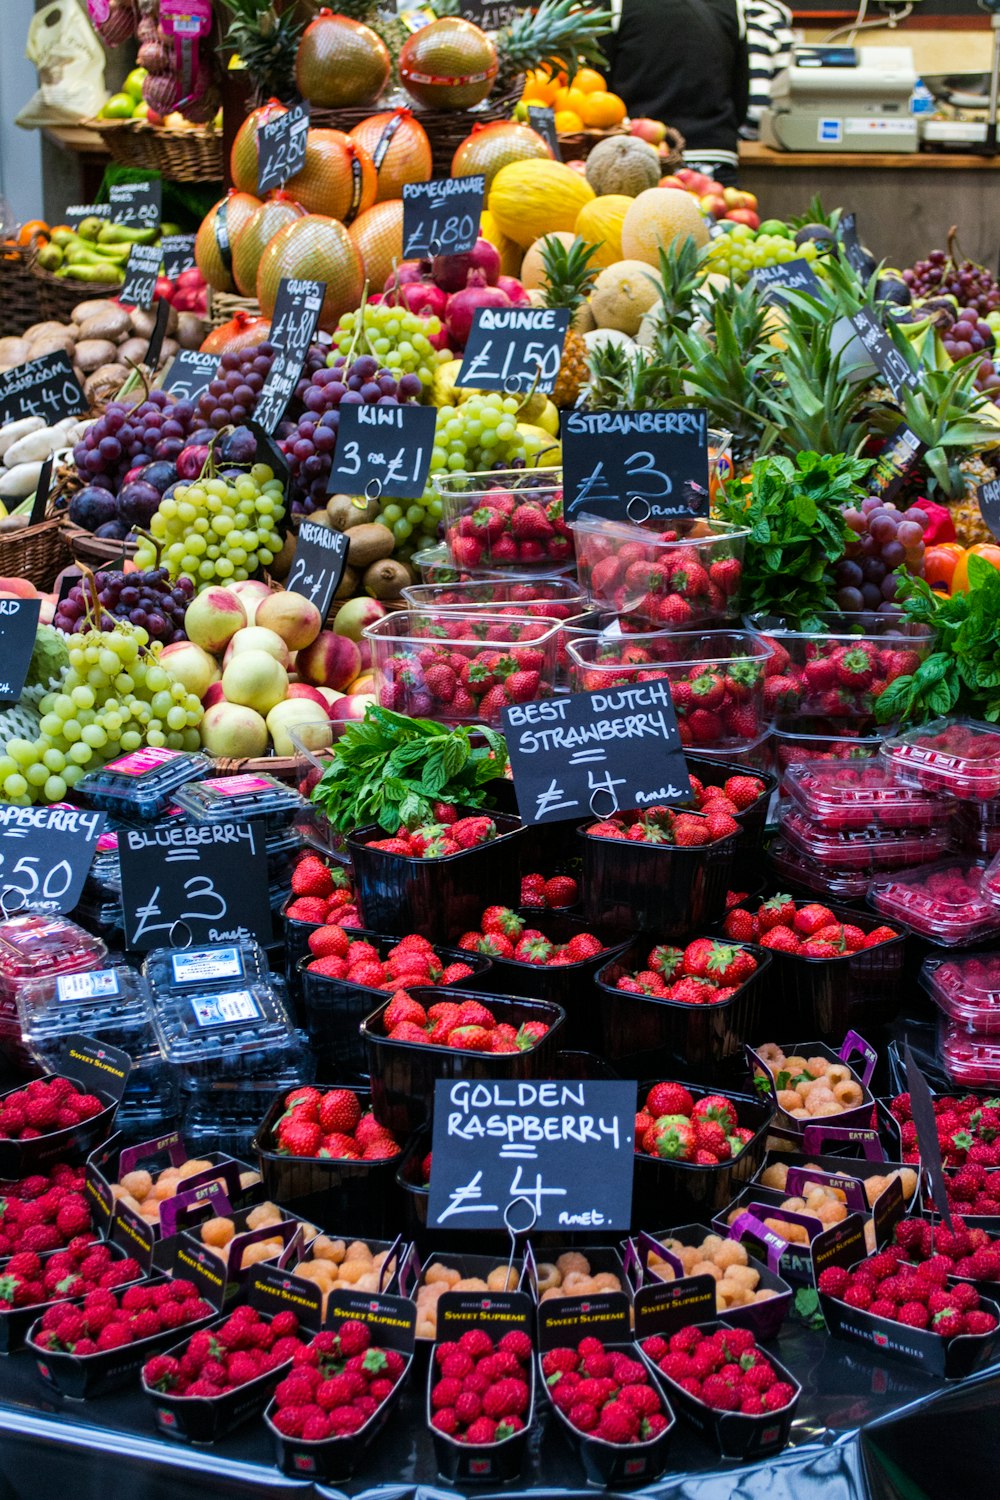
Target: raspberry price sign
[(46, 387), (18, 628), (141, 275), (514, 348), (565, 1148), (281, 147), (136, 203), (636, 466), (207, 878), (190, 373), (441, 217), (594, 753), (178, 254), (319, 562), (390, 445), (296, 314), (45, 855)]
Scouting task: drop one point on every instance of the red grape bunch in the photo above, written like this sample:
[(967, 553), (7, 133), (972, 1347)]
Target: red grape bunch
[(125, 438), (885, 540), (941, 275), (146, 599)]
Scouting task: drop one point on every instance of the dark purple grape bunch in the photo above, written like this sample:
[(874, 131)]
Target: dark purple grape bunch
[(232, 395), (147, 599), (939, 276), (126, 438), (884, 542)]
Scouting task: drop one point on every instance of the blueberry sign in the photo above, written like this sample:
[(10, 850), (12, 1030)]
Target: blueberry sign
[(441, 217), (590, 754), (390, 445), (190, 373), (281, 147), (209, 877), (18, 628), (46, 387), (318, 565), (296, 313), (512, 349), (564, 1147), (637, 466), (141, 275)]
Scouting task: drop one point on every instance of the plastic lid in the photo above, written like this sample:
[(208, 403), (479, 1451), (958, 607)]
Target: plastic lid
[(113, 1003), (184, 971), (33, 944), (859, 795), (970, 1061), (862, 849), (945, 902), (143, 781), (246, 796), (959, 756), (966, 988), (232, 1021), (789, 864)]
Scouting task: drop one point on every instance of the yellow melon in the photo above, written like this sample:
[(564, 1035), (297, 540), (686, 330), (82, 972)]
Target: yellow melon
[(533, 267), (600, 223), (621, 294), (532, 198), (656, 218)]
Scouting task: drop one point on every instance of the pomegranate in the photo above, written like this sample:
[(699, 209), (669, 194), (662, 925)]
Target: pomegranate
[(462, 306), (515, 291), (451, 272)]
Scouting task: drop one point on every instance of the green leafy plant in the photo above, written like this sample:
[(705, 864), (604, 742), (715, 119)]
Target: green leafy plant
[(389, 769), (793, 509)]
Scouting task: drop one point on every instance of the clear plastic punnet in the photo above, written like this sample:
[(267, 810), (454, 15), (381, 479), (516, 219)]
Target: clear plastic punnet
[(209, 969), (957, 756), (112, 1004), (212, 1034), (248, 797), (966, 989), (141, 784), (36, 946), (844, 795), (947, 903), (863, 849)]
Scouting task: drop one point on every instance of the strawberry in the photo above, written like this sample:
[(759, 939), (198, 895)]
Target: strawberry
[(402, 1007), (329, 942), (502, 919), (560, 891), (307, 909), (529, 523), (855, 667), (665, 960), (533, 890), (811, 917), (669, 1099), (690, 830), (522, 687), (298, 1137), (698, 956), (339, 1111), (469, 1039), (529, 1034), (741, 926), (470, 832), (671, 1139), (880, 935), (726, 573), (311, 877), (715, 1107), (533, 948), (583, 945)]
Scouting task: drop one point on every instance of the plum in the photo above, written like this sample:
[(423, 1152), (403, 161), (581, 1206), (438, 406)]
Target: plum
[(92, 507)]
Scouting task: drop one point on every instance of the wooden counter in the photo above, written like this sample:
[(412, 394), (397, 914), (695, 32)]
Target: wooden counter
[(905, 202)]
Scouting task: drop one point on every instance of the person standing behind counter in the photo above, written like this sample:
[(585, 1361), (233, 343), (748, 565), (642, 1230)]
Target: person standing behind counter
[(684, 62)]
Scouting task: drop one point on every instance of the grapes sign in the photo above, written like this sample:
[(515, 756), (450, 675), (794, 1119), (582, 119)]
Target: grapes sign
[(18, 628), (136, 203), (190, 373), (318, 565), (207, 878), (141, 275), (442, 217), (296, 313), (45, 855), (636, 466), (387, 446), (514, 349), (46, 387), (281, 146)]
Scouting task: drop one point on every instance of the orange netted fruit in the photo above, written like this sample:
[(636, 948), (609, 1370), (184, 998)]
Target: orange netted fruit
[(338, 179), (398, 146), (601, 111), (315, 248), (260, 228), (377, 235), (220, 229)]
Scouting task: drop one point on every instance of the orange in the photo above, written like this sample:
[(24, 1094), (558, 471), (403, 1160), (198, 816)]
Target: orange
[(567, 122), (28, 231), (589, 81), (539, 87), (570, 99), (602, 110)]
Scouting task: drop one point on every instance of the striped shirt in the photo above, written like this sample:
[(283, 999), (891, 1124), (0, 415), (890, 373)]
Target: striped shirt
[(769, 43)]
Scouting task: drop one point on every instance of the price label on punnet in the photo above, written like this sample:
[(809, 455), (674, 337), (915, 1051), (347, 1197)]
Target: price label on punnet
[(636, 466), (514, 349), (383, 450), (441, 217), (209, 880), (45, 855)]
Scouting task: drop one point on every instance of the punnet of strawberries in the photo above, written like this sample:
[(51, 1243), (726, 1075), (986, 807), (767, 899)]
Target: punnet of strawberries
[(968, 1129), (505, 529), (973, 1189), (452, 835), (706, 972), (466, 1026), (481, 1390), (330, 1124), (46, 1105), (464, 670), (217, 1360), (725, 1370), (917, 1296), (663, 825), (604, 1393), (673, 581), (673, 1126), (112, 1320), (323, 893), (968, 1252), (836, 678), (411, 961), (45, 1211), (26, 1280), (336, 1384), (806, 928), (504, 933), (551, 893)]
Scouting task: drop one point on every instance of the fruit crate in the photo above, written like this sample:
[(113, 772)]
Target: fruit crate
[(700, 1190), (461, 668), (663, 888), (716, 679), (507, 518), (678, 579)]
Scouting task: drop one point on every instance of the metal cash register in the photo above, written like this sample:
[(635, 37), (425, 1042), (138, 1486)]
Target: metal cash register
[(833, 98)]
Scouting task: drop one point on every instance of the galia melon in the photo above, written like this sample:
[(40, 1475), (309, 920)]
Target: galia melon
[(600, 223), (399, 149), (658, 217), (493, 146), (533, 265), (531, 198), (338, 179), (623, 164), (216, 239), (340, 62), (621, 294), (377, 235), (318, 249), (243, 156), (263, 224), (449, 64)]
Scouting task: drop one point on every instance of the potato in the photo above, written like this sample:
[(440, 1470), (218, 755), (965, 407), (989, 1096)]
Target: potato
[(93, 307), (92, 353), (114, 325)]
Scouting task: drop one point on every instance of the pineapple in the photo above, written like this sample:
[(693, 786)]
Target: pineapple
[(266, 44), (569, 275), (726, 369), (559, 35), (970, 527)]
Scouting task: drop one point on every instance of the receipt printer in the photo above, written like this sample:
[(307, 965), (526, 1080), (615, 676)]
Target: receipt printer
[(843, 99)]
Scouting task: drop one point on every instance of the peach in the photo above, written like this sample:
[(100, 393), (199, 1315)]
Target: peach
[(213, 617), (291, 616), (331, 661)]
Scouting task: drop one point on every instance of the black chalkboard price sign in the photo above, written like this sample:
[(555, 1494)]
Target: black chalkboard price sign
[(18, 628), (178, 254), (391, 445), (902, 452), (564, 1146), (490, 15), (77, 212), (45, 855), (890, 362), (281, 147), (513, 349), (318, 564), (441, 217), (141, 275), (190, 373), (542, 119), (212, 877), (296, 313), (857, 256), (796, 275), (637, 466), (136, 203), (46, 387)]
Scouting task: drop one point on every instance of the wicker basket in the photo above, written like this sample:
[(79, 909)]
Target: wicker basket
[(38, 553), (284, 767), (186, 155), (18, 291), (578, 146), (223, 306), (446, 128), (56, 297), (95, 551)]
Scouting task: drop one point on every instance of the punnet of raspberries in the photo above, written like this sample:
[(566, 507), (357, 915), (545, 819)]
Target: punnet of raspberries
[(948, 902), (964, 1251), (437, 840), (109, 1320), (673, 1126), (481, 1391), (724, 1370), (507, 529), (216, 1360), (807, 929), (411, 961), (336, 1384), (46, 1105), (26, 1280), (44, 1211), (469, 670), (503, 933), (917, 1296), (662, 825), (706, 972), (735, 795), (329, 1124), (968, 1130), (604, 1393), (323, 893), (837, 678), (549, 894), (465, 1026)]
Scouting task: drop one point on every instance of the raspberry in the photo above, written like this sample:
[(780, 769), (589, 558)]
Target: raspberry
[(778, 1396)]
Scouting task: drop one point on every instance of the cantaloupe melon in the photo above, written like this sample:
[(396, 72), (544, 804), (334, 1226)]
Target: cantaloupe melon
[(533, 267), (621, 294), (532, 198), (600, 223), (623, 164), (656, 218)]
